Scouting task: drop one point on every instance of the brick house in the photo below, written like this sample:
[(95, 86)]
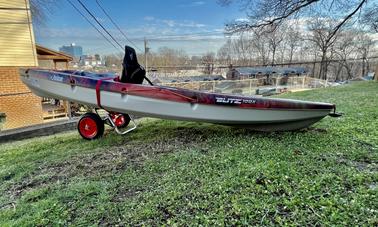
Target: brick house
[(18, 50)]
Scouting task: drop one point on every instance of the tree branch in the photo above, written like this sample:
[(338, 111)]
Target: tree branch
[(337, 28), (288, 11)]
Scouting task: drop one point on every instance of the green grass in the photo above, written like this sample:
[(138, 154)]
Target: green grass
[(169, 172)]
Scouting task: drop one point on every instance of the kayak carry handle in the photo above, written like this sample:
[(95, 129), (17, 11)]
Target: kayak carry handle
[(335, 114)]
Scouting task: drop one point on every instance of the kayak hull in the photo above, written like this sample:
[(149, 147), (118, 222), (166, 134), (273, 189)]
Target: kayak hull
[(182, 108)]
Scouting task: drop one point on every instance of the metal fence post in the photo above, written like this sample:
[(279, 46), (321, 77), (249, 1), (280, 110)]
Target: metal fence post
[(303, 82), (250, 87)]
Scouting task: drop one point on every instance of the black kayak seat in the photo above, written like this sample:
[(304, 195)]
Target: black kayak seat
[(132, 72)]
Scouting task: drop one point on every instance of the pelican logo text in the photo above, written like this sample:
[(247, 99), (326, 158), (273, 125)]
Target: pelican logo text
[(228, 100), (57, 78)]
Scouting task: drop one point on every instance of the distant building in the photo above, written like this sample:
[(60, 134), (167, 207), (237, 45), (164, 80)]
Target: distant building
[(91, 60), (73, 50)]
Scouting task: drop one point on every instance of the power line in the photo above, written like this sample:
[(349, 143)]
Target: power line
[(119, 29), (98, 22), (69, 1), (162, 38)]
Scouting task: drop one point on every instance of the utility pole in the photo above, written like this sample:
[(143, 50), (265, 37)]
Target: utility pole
[(145, 54)]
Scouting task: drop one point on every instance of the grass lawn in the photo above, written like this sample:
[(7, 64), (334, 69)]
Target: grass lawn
[(169, 172)]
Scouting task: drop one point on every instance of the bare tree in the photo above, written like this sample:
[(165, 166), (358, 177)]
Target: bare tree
[(242, 49), (256, 46), (208, 60), (195, 60), (166, 57), (236, 47), (346, 49), (41, 9), (262, 13), (364, 46), (224, 54), (275, 38), (259, 42), (370, 17), (324, 38), (113, 60), (293, 40)]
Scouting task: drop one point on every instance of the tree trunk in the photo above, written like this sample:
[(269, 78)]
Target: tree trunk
[(367, 65), (325, 76), (322, 66), (338, 73), (349, 70), (291, 55)]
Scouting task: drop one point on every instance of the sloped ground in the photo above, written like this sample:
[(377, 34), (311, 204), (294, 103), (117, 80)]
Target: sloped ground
[(171, 172)]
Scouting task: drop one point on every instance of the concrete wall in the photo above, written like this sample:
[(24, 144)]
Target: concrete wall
[(37, 130)]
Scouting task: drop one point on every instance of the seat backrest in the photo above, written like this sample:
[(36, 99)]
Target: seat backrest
[(132, 72)]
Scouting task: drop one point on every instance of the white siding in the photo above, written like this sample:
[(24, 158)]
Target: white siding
[(13, 4), (17, 44)]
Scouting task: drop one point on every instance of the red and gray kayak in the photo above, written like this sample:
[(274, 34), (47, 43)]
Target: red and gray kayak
[(107, 92)]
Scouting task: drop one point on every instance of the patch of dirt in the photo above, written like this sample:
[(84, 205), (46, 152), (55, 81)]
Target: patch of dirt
[(30, 183), (361, 165), (123, 193), (365, 144), (109, 160), (7, 177)]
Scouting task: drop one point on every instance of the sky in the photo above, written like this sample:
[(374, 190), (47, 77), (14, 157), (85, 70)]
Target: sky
[(195, 26)]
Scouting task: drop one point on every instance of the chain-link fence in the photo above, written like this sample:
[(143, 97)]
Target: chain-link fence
[(252, 86), (334, 69)]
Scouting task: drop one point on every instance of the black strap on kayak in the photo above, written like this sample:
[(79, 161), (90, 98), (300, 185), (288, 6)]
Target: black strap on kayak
[(149, 81)]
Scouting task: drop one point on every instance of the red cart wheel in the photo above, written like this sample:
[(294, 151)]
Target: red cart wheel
[(90, 126), (120, 120)]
